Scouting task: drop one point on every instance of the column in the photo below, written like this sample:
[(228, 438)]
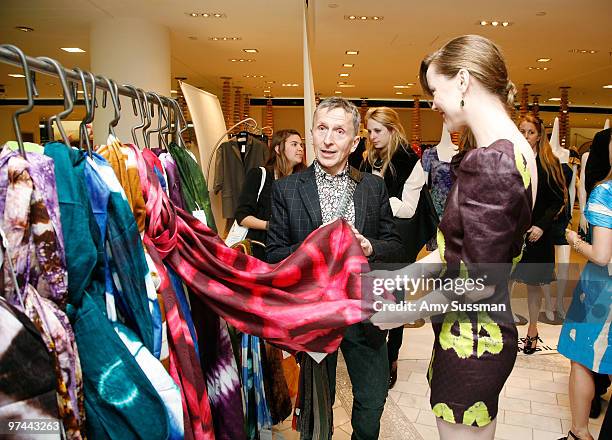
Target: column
[(130, 51)]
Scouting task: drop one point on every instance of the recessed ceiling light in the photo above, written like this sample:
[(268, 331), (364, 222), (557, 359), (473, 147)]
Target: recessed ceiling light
[(608, 86), (270, 82), (584, 51), (16, 75), (80, 92), (402, 86), (266, 91), (173, 91), (376, 17), (554, 99), (505, 23), (494, 23), (352, 52), (241, 60), (341, 82), (73, 49), (24, 28), (363, 17), (399, 93), (344, 75), (543, 60), (217, 15), (192, 14), (484, 23), (348, 65), (338, 92), (250, 50), (346, 85)]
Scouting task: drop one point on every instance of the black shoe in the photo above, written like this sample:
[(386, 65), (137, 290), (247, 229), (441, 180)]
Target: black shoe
[(595, 407), (570, 436), (530, 344), (392, 374)]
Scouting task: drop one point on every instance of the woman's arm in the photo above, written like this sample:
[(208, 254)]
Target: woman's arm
[(600, 252), (252, 222), (406, 207)]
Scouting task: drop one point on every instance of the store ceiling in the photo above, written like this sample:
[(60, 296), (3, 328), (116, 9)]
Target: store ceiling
[(390, 49)]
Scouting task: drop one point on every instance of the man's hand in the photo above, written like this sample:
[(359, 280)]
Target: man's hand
[(366, 246)]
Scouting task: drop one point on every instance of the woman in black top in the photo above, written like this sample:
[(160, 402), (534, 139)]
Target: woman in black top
[(390, 157), (287, 157), (537, 266)]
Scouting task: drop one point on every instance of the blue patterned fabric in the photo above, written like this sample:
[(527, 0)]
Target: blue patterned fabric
[(257, 413), (586, 336)]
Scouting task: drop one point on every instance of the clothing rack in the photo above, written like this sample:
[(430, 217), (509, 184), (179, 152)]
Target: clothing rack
[(9, 57)]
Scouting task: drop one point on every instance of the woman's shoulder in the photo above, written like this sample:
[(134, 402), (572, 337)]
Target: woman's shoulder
[(599, 207)]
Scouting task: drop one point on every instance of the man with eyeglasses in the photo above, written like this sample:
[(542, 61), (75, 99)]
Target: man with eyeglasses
[(327, 190)]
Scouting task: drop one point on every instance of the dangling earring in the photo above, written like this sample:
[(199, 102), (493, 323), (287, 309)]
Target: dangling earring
[(462, 103)]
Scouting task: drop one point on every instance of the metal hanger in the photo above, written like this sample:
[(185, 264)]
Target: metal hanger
[(137, 111), (181, 124), (161, 113), (170, 128), (68, 103), (90, 109), (148, 114), (113, 90), (30, 92)]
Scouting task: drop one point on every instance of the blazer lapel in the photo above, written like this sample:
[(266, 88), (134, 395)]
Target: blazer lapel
[(310, 196), (360, 197)]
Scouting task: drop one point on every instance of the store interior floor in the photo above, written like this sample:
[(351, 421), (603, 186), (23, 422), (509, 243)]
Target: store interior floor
[(534, 404)]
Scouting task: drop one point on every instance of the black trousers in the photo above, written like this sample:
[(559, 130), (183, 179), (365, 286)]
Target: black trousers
[(368, 369)]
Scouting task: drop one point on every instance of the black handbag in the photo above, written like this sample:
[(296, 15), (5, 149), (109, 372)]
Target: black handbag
[(420, 228)]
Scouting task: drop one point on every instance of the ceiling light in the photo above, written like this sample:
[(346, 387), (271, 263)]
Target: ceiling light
[(266, 91), (341, 82), (73, 49), (363, 17), (80, 92), (218, 15), (16, 75), (343, 74), (351, 17), (173, 91), (233, 60), (484, 23), (346, 85), (402, 86), (242, 60), (584, 51), (554, 99), (505, 24), (338, 92), (192, 14), (399, 93), (24, 28), (270, 82), (250, 50), (543, 60), (376, 18), (494, 23), (348, 65), (352, 52), (608, 86)]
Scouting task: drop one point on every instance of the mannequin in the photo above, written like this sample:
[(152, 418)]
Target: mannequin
[(562, 251), (436, 161)]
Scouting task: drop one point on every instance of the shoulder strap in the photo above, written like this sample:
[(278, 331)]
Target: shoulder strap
[(263, 180)]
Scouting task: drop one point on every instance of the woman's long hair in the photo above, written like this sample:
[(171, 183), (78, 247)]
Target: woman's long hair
[(390, 119), (277, 162), (550, 163)]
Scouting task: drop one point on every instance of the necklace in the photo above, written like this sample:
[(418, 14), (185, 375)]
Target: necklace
[(378, 164)]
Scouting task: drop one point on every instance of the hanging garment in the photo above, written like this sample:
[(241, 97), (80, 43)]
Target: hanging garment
[(303, 303), (123, 160), (231, 166), (257, 413), (118, 395), (175, 190), (36, 258), (217, 358), (275, 384), (27, 378), (195, 190)]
